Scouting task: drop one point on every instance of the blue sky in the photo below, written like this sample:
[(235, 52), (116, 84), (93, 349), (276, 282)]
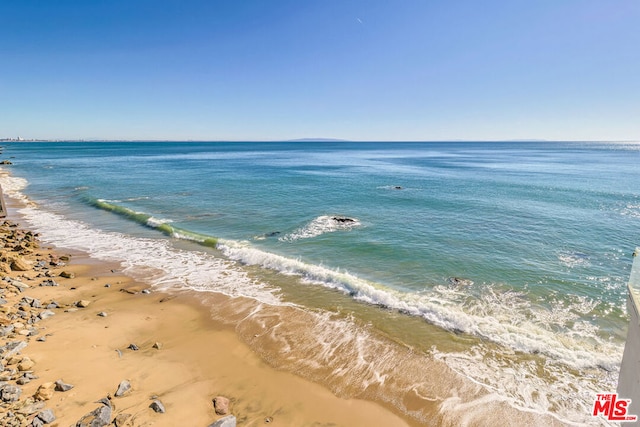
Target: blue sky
[(352, 69)]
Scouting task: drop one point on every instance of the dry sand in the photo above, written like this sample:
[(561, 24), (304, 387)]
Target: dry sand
[(197, 359)]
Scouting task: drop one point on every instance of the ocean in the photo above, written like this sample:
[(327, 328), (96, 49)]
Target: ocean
[(384, 270)]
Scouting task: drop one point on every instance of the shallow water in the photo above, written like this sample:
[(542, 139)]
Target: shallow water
[(374, 266)]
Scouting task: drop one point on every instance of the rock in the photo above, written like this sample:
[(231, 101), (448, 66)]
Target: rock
[(343, 220), (133, 347), (10, 393), (31, 408), (221, 405), (157, 406), (37, 422), (61, 386), (45, 391), (157, 345), (124, 387), (25, 364), (122, 420), (19, 285), (46, 416), (19, 264), (102, 314), (83, 303), (46, 313), (228, 421), (49, 282), (99, 417), (6, 330), (68, 274), (12, 348), (3, 301)]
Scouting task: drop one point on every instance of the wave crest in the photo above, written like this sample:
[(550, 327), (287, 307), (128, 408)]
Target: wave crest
[(322, 225)]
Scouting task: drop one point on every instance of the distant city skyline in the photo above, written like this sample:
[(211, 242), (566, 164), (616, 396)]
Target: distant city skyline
[(357, 70)]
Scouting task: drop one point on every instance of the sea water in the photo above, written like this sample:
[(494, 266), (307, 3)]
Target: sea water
[(373, 266)]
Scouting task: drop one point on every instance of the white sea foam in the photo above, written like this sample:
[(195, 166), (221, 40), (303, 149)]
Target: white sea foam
[(155, 222), (574, 259), (504, 317), (152, 260), (321, 225)]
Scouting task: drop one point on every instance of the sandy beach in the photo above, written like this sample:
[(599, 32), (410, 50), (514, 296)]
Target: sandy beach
[(75, 330)]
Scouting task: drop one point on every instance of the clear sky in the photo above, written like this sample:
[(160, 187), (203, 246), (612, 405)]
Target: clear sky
[(352, 69)]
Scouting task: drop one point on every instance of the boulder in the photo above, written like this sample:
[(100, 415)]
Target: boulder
[(124, 387), (221, 405), (62, 386), (10, 393), (46, 416), (25, 364), (122, 420), (45, 391), (228, 421), (83, 303), (157, 406), (99, 417), (19, 264)]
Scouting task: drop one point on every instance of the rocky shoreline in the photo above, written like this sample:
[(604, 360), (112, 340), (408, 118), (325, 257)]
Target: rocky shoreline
[(24, 266)]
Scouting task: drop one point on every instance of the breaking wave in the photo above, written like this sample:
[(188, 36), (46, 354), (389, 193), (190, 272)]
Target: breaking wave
[(322, 225)]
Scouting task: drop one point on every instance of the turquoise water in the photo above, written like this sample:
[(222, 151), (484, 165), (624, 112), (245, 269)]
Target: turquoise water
[(525, 245)]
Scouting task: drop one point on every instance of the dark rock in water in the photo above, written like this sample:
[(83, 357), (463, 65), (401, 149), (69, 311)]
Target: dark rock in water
[(157, 406), (457, 281), (46, 416), (124, 387), (272, 234), (221, 405), (397, 187), (342, 219), (228, 421), (99, 417)]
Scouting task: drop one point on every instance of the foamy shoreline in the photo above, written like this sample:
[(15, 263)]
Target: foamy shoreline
[(210, 347), (184, 358)]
